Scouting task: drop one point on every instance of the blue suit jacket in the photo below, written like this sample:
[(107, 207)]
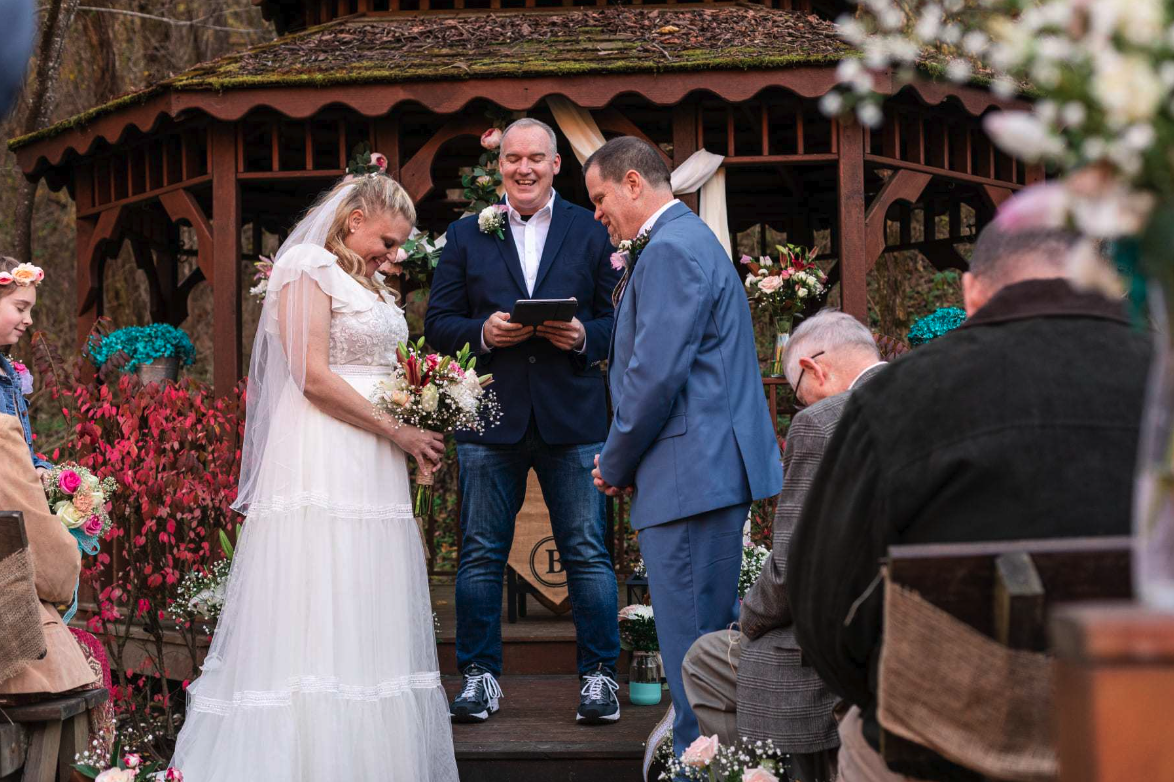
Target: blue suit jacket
[(479, 274), (691, 429)]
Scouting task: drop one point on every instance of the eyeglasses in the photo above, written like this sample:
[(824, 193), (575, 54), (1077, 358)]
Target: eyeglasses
[(799, 405)]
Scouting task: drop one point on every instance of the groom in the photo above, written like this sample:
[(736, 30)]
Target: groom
[(691, 437)]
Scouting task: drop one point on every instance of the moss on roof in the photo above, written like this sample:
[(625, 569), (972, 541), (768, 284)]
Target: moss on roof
[(471, 46)]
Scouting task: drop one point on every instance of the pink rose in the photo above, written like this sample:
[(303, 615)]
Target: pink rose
[(401, 255), (701, 752), (6, 278), (380, 160), (173, 775), (132, 761), (770, 284), (69, 481), (759, 774), (93, 526), (746, 259), (117, 775), (619, 261), (786, 274), (491, 139), (19, 367)]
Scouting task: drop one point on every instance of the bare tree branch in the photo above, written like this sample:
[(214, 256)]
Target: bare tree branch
[(174, 22)]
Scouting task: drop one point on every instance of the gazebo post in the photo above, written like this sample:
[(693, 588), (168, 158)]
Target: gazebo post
[(852, 234), (685, 143), (226, 241)]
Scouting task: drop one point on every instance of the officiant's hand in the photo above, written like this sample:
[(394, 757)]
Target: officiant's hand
[(500, 333), (604, 486), (563, 335)]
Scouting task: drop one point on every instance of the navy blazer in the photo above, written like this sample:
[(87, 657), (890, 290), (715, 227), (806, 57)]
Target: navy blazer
[(479, 274), (691, 428)]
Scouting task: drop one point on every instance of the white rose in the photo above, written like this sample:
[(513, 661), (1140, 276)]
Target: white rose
[(117, 775), (429, 399), (68, 514), (801, 293), (1128, 88)]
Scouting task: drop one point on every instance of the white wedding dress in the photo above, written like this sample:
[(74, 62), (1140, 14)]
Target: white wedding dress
[(323, 665)]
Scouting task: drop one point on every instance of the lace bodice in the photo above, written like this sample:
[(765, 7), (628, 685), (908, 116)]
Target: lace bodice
[(367, 338)]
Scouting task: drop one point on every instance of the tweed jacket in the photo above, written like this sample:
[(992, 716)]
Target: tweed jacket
[(779, 698), (56, 563)]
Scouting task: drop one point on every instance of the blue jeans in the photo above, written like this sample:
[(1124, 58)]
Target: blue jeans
[(493, 486)]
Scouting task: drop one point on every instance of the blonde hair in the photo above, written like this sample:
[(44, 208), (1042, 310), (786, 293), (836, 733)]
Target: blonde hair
[(374, 194)]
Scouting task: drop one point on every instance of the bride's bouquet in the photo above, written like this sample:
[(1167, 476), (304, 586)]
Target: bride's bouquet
[(439, 393)]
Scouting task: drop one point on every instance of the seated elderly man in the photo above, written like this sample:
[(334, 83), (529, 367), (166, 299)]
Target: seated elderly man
[(1020, 424), (753, 685)]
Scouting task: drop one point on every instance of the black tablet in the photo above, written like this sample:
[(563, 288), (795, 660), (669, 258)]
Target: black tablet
[(535, 312)]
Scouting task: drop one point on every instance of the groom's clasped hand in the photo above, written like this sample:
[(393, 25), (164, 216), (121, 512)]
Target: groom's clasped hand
[(607, 488)]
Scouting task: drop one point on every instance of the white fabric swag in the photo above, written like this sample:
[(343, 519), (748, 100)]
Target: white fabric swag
[(702, 170)]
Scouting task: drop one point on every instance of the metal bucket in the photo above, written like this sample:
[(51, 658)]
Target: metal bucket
[(163, 368)]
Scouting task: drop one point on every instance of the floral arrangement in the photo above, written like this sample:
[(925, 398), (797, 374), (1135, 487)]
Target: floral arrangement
[(439, 393), (22, 276), (264, 269), (752, 559), (201, 592), (941, 321), (142, 344), (79, 499), (419, 257), (364, 162), (638, 629), (124, 767), (491, 220), (783, 288), (708, 759), (629, 251), (1103, 73), (482, 180)]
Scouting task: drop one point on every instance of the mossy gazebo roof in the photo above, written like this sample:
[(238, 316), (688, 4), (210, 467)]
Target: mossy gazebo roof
[(444, 48), (249, 139)]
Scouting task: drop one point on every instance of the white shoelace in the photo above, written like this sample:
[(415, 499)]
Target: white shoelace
[(492, 688), (593, 687)]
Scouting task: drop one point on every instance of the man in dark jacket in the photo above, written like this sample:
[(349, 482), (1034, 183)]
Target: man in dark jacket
[(1021, 424)]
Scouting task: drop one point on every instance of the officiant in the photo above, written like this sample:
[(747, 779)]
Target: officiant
[(548, 380)]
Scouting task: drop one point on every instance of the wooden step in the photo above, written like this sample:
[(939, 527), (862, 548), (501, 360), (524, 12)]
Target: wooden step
[(534, 738)]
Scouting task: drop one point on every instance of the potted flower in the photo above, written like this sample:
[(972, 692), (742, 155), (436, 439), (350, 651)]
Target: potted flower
[(783, 289), (638, 636), (154, 352)]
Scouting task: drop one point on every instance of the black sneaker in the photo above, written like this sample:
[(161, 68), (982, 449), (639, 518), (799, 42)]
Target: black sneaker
[(479, 696), (598, 704)]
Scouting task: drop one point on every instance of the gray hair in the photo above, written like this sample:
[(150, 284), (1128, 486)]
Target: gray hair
[(530, 122), (628, 153), (828, 330), (1003, 257)]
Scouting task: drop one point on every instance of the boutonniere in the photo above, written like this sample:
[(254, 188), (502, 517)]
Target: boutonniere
[(492, 220), (24, 378), (628, 252)]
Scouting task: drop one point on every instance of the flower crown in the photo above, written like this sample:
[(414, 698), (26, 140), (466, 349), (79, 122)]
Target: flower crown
[(24, 275)]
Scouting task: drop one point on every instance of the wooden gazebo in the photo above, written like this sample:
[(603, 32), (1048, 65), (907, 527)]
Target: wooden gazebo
[(248, 140)]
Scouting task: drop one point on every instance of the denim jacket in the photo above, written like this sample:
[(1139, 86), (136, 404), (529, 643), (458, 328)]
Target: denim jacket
[(12, 402)]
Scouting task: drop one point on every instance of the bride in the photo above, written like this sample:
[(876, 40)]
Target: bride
[(323, 665)]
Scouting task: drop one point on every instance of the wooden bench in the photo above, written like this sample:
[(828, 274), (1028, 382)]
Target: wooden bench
[(1004, 590), (39, 741)]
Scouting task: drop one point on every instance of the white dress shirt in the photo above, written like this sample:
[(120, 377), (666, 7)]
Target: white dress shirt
[(530, 240), (656, 216), (870, 366)]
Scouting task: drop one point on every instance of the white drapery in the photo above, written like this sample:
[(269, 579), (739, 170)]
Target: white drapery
[(701, 170)]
